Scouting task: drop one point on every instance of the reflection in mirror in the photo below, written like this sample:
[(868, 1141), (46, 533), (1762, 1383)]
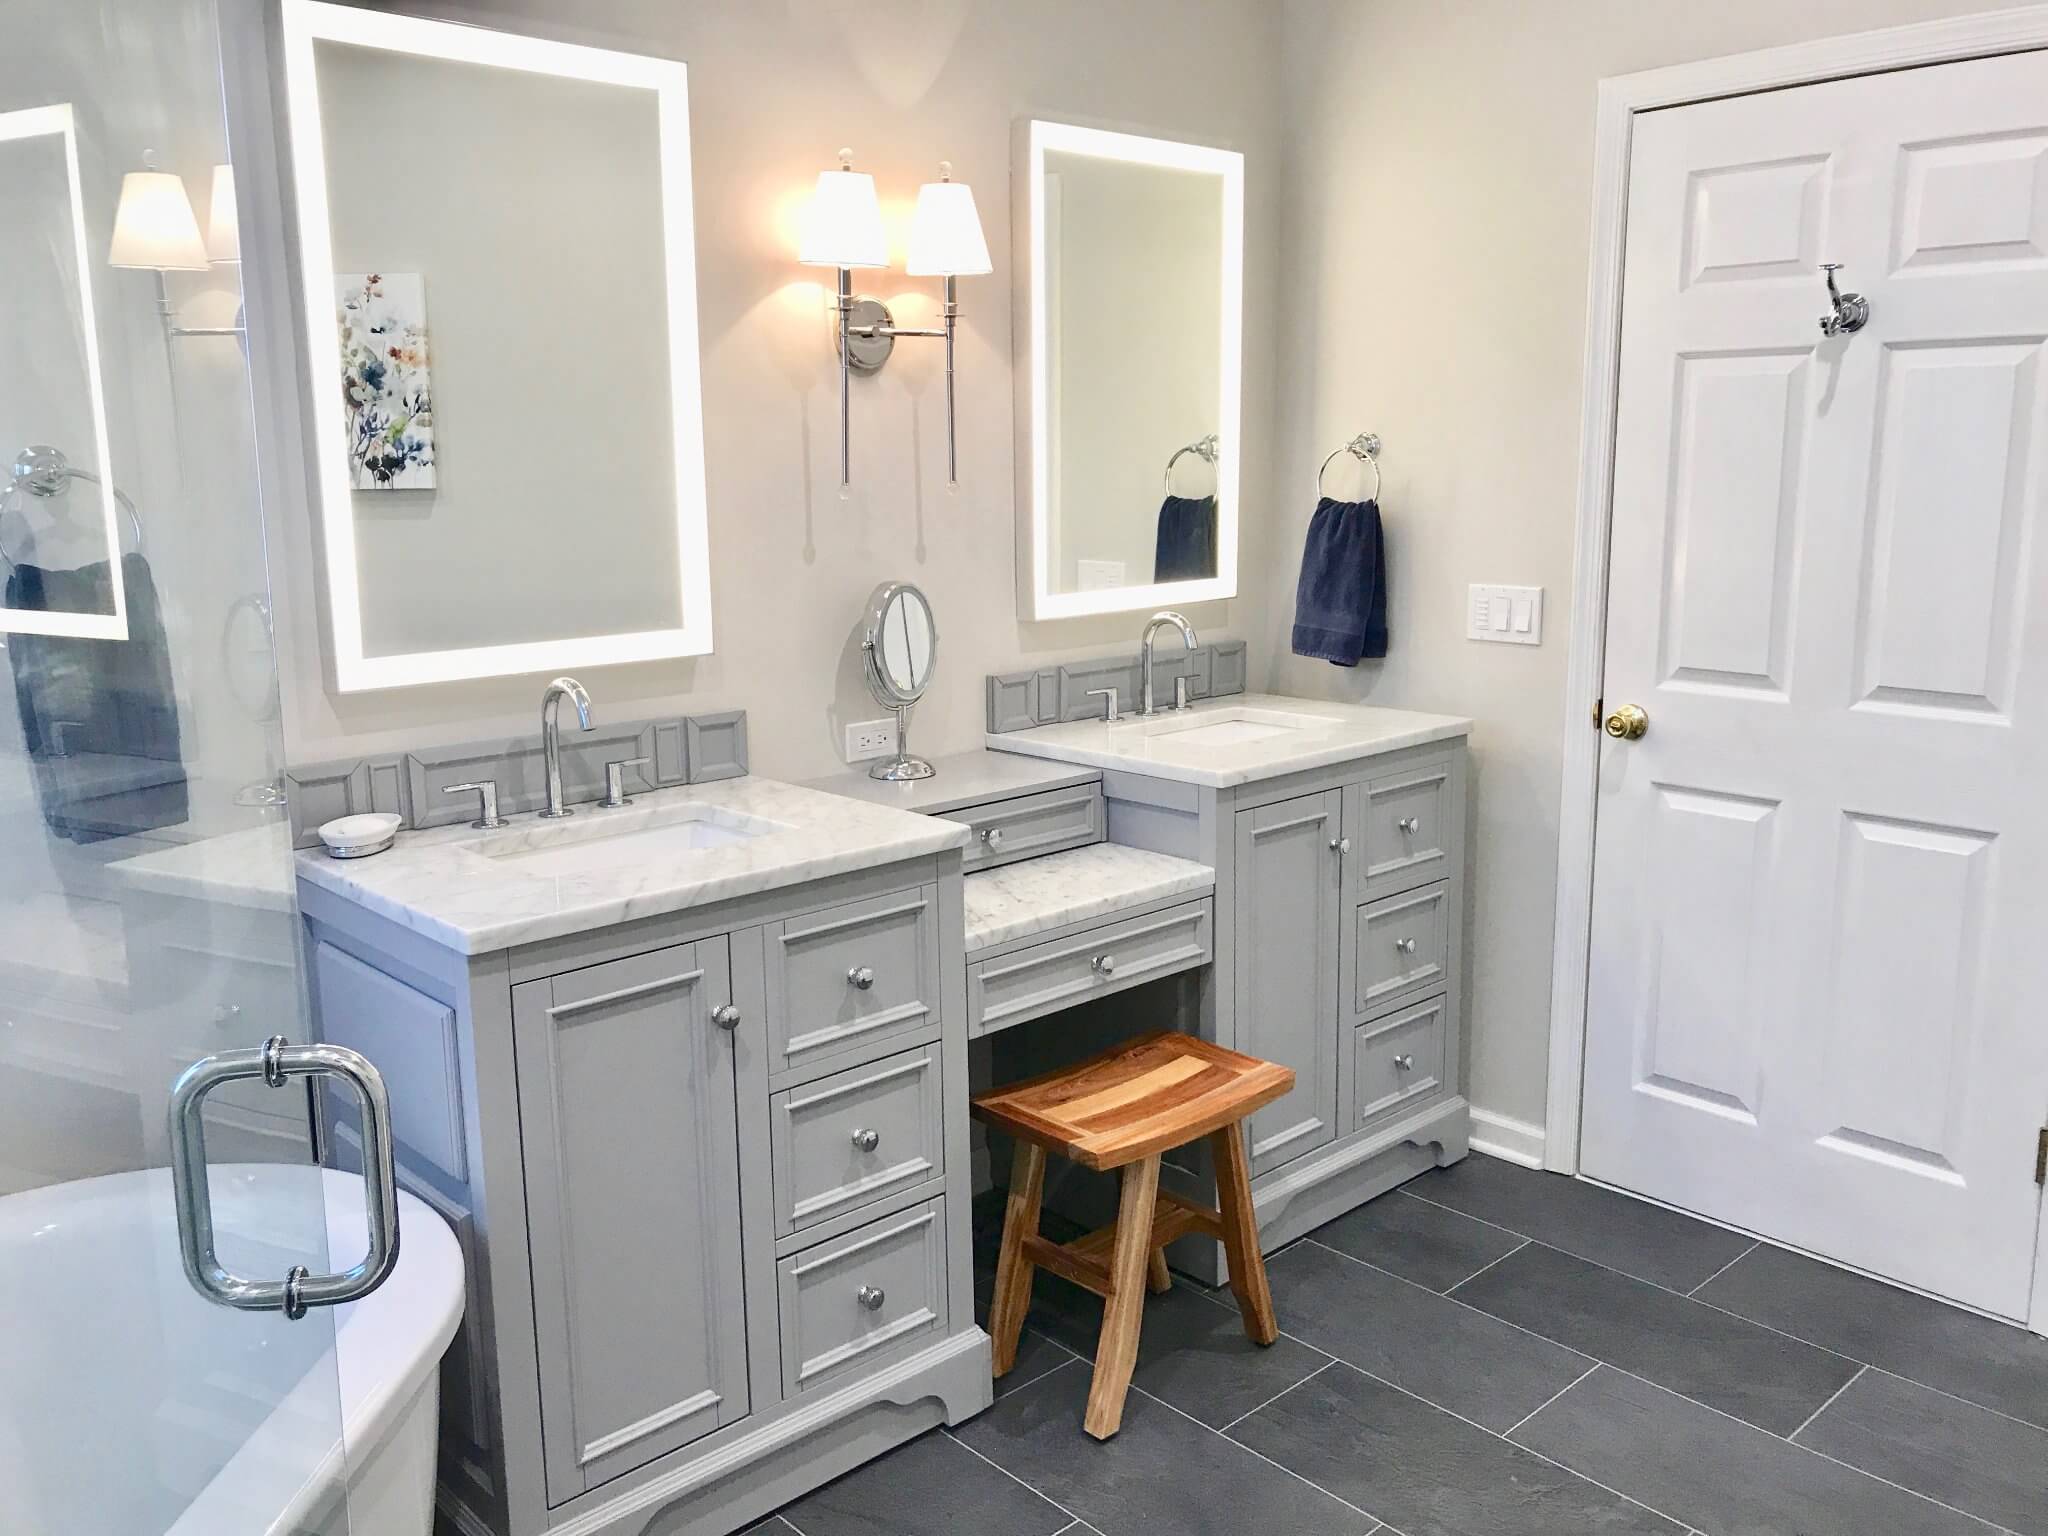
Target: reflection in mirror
[(60, 527), (501, 309), (899, 647), (1136, 298)]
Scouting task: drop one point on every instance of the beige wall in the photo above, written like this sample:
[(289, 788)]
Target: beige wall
[(776, 86), (1437, 208)]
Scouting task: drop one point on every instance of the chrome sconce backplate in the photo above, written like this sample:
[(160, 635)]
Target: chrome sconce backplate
[(869, 335)]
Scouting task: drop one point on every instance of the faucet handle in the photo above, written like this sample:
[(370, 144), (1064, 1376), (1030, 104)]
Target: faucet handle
[(1109, 703), (488, 789), (615, 781)]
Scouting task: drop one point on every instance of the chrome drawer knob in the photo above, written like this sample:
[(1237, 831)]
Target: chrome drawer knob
[(1409, 824), (1340, 845), (862, 977), (871, 1297), (993, 836), (1404, 1063), (1406, 946), (1103, 965), (726, 1016), (867, 1140)]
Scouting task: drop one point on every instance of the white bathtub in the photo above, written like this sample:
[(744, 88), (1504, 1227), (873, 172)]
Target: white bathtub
[(131, 1406)]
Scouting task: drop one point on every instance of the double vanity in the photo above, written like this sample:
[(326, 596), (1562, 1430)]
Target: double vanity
[(689, 1077)]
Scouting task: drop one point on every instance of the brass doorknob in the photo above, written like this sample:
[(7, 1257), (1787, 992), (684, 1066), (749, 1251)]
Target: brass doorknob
[(1627, 723)]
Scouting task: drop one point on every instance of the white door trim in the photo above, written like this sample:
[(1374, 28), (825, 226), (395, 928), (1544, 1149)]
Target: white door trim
[(1620, 98)]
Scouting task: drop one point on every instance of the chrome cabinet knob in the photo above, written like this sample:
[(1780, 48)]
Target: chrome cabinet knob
[(992, 836), (726, 1016), (867, 1140), (871, 1297), (1406, 946), (1404, 1063), (1104, 965), (1340, 845), (1409, 825), (861, 977)]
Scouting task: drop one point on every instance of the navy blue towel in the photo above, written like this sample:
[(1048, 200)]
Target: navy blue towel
[(1187, 539), (1340, 604)]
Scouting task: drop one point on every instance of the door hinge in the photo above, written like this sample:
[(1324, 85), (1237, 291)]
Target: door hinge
[(2041, 1157), (1599, 712)]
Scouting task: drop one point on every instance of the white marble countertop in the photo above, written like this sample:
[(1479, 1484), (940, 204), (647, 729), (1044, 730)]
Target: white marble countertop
[(1031, 896), (963, 778), (251, 867), (442, 885), (1316, 733)]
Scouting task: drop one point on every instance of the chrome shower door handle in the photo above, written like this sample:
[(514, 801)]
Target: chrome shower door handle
[(277, 1062)]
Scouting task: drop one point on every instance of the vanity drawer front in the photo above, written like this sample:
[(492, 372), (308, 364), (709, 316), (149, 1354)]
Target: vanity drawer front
[(849, 1303), (845, 1140), (852, 981), (1403, 942), (1009, 989), (1023, 828), (1397, 1060), (1409, 833)]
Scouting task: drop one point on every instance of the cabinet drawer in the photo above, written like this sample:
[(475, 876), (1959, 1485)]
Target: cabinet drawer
[(1402, 942), (1397, 1060), (844, 1140), (847, 981), (1023, 828), (1009, 989), (846, 1303), (1409, 832)]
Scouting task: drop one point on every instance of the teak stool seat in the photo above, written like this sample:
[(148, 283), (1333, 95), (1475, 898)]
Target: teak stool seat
[(1123, 1109)]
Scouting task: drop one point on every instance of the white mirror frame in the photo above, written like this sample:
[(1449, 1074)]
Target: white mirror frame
[(1035, 138), (57, 122), (307, 22)]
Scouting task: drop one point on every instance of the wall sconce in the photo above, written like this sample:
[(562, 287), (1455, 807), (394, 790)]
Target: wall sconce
[(155, 230), (843, 229)]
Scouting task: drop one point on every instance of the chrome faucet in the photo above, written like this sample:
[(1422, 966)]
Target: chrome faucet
[(1180, 684), (551, 735)]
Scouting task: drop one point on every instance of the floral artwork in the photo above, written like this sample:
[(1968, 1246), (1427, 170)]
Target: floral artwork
[(384, 381)]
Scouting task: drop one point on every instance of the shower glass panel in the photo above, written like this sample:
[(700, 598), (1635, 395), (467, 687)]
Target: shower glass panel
[(147, 916)]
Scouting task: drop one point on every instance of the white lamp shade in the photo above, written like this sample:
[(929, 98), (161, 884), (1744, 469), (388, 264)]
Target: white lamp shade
[(945, 232), (843, 225), (154, 225), (223, 232)]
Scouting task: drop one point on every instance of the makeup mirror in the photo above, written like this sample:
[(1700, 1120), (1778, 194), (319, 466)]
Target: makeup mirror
[(899, 646)]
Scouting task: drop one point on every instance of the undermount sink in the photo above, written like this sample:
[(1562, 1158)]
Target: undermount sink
[(597, 841), (1231, 727)]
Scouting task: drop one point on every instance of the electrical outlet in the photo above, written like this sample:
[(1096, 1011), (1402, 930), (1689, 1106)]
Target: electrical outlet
[(870, 738)]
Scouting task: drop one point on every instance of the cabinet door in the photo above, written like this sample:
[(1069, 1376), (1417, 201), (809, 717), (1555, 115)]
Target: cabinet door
[(633, 1205), (1285, 885)]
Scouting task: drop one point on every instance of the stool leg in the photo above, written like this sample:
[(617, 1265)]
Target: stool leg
[(1158, 1279), (1013, 1271), (1241, 1235), (1116, 1354)]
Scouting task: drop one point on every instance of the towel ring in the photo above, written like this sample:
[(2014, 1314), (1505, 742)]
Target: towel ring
[(45, 472), (1203, 448), (1366, 449)]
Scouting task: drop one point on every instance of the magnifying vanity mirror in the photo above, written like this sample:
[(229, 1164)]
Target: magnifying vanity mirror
[(500, 304), (898, 647), (1131, 317)]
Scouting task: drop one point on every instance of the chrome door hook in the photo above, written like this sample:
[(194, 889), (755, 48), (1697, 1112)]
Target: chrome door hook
[(1850, 311)]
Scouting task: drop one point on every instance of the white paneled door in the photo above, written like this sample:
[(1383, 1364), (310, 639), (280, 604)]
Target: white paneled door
[(1819, 963)]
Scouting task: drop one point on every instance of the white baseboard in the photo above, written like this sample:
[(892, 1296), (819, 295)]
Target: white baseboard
[(1517, 1141)]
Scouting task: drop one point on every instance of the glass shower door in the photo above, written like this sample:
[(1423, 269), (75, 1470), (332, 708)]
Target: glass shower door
[(147, 915)]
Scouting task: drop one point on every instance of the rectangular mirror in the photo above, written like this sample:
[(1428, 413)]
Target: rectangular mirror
[(60, 531), (1132, 328), (501, 315)]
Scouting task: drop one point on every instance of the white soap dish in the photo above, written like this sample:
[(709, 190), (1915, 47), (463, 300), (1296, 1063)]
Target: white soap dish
[(357, 837)]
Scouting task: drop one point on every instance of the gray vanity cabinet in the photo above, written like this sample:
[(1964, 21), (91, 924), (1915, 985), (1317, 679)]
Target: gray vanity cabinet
[(632, 1162), (1287, 875)]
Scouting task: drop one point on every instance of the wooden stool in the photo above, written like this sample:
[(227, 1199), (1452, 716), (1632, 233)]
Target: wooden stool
[(1123, 1109)]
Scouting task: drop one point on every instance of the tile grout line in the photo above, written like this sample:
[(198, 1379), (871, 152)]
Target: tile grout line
[(1482, 1269), (1402, 1189), (1072, 1518), (1824, 1407), (1954, 1397), (1508, 1433), (1693, 1294), (1269, 1402)]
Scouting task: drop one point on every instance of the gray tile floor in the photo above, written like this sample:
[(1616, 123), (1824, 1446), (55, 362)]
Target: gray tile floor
[(1495, 1352)]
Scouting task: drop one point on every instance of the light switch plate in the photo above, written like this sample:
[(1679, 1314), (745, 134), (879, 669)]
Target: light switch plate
[(1505, 615)]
